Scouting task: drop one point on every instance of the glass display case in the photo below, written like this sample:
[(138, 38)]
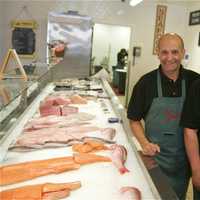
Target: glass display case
[(19, 101), (16, 94)]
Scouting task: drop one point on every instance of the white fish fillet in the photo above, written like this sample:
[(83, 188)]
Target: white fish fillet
[(40, 138)]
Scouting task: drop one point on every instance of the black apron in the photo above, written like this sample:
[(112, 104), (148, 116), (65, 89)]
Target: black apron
[(162, 128)]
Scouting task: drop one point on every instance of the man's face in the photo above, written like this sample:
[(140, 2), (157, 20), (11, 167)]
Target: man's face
[(170, 54)]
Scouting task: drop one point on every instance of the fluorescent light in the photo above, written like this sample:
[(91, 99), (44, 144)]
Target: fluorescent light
[(134, 2)]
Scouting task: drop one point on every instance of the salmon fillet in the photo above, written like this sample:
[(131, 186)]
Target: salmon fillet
[(40, 192), (86, 158), (89, 146), (28, 170)]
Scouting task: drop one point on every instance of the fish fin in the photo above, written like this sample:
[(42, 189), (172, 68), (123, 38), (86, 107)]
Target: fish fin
[(123, 170)]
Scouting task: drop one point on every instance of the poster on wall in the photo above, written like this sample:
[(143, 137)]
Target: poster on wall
[(24, 38), (160, 25), (194, 18)]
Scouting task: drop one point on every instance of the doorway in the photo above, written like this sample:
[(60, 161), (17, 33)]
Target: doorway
[(108, 40)]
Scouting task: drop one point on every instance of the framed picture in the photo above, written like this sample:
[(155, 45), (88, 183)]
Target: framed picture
[(199, 40), (194, 18), (159, 26), (136, 51), (24, 38)]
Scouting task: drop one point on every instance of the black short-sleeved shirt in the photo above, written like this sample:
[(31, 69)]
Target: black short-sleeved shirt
[(145, 91), (191, 111)]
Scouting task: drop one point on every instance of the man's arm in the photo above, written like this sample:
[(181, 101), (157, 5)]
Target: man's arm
[(138, 131), (192, 149)]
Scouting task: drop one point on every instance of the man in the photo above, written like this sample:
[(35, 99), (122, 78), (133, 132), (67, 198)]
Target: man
[(121, 58), (157, 98), (191, 121)]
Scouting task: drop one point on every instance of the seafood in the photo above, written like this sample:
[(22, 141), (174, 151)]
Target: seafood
[(45, 191), (82, 116), (56, 100), (76, 99), (87, 158), (68, 110), (28, 170), (49, 137), (118, 156), (131, 193), (89, 146), (46, 110), (57, 121)]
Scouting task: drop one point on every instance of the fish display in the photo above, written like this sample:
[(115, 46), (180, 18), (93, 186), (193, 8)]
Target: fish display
[(89, 145), (63, 99), (46, 110), (61, 124), (58, 121), (82, 116), (65, 136), (52, 100), (119, 156), (59, 105), (68, 110), (131, 193), (87, 158), (28, 170), (47, 191), (77, 99)]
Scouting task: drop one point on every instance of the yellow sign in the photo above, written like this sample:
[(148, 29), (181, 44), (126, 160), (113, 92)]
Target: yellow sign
[(12, 54), (24, 24)]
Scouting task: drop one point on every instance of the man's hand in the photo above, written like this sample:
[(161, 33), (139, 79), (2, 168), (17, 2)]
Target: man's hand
[(150, 149), (196, 179)]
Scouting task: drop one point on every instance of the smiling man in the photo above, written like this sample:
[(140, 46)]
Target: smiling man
[(157, 98)]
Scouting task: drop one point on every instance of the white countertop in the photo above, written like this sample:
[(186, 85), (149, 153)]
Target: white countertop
[(100, 181)]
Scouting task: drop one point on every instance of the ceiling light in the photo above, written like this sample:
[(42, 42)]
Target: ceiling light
[(134, 2)]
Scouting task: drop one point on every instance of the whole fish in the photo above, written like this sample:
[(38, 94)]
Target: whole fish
[(118, 157), (131, 193)]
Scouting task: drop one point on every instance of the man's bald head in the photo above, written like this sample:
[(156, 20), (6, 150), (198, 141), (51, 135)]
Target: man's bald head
[(171, 36)]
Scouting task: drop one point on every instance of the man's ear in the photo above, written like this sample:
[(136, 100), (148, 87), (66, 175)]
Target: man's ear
[(158, 54), (183, 53)]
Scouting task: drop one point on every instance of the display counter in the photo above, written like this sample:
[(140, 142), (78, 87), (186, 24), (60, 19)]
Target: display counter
[(98, 180), (16, 94)]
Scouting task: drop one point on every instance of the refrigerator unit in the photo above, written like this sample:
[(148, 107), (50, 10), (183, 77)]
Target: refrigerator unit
[(69, 38)]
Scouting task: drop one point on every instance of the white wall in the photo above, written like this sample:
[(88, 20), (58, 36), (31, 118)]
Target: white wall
[(192, 37), (108, 40), (143, 36), (1, 32)]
